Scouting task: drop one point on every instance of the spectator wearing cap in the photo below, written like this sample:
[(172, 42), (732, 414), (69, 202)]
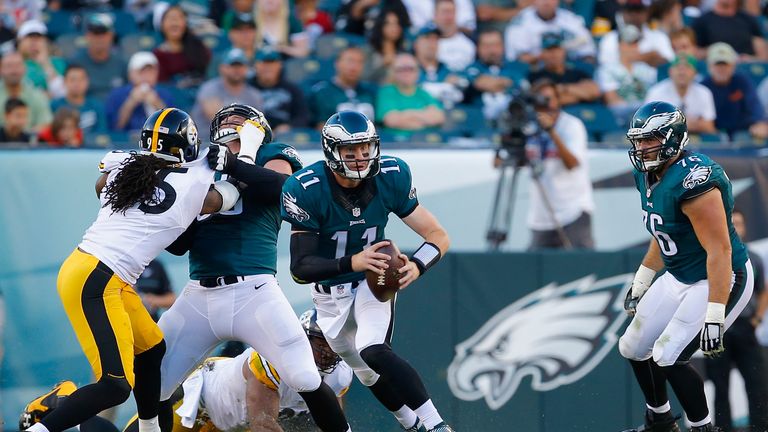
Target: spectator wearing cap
[(387, 39), (726, 23), (16, 119), (91, 110), (283, 102), (43, 71), (496, 14), (422, 12), (654, 47), (736, 103), (104, 65), (12, 71), (522, 38), (182, 56), (624, 84), (454, 49), (280, 28), (434, 76), (491, 76), (230, 86), (242, 34), (345, 91), (240, 9), (682, 90), (573, 85), (129, 106), (404, 107)]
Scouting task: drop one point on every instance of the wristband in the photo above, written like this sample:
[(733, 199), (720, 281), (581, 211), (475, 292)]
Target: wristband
[(645, 275), (427, 255), (715, 313)]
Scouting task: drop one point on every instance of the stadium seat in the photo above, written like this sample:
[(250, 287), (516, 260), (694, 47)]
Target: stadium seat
[(597, 118), (125, 23), (305, 138), (464, 120), (615, 139), (330, 6), (308, 70), (97, 140), (520, 68), (328, 46), (756, 71), (59, 22), (585, 67), (133, 43), (183, 99), (70, 43), (585, 8), (428, 138)]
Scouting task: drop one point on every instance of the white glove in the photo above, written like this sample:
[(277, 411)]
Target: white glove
[(229, 194), (251, 136), (711, 342), (640, 284)]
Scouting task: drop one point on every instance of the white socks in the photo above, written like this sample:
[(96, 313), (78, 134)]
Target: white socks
[(405, 416), (38, 427), (428, 415), (660, 410), (149, 425), (706, 420)]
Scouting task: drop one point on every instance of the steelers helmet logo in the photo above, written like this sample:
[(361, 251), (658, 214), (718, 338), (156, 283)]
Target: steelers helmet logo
[(191, 133)]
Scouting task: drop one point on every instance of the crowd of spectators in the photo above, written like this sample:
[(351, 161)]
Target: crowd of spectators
[(406, 63)]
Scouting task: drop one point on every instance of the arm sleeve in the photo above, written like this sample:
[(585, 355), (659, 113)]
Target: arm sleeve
[(183, 243), (262, 184), (307, 266)]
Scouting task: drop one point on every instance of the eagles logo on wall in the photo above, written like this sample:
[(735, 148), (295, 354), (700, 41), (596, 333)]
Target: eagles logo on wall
[(556, 335)]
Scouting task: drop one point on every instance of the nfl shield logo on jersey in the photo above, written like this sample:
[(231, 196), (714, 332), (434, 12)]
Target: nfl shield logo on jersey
[(556, 335), (356, 212)]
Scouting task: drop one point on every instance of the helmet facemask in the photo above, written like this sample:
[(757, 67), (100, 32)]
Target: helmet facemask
[(223, 128), (349, 128), (325, 358), (663, 123), (341, 165)]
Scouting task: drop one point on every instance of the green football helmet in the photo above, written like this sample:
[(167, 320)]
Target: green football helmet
[(664, 122)]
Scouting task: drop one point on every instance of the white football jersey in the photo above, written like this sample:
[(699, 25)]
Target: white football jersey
[(223, 388), (128, 242)]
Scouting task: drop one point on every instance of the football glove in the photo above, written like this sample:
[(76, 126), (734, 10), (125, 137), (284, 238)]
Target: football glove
[(220, 158), (640, 284), (252, 134), (711, 342)]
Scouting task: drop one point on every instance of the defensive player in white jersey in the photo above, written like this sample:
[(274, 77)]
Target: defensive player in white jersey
[(147, 199)]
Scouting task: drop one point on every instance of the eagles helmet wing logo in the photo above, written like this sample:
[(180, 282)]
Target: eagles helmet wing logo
[(293, 210), (292, 153), (655, 122), (698, 175), (555, 335)]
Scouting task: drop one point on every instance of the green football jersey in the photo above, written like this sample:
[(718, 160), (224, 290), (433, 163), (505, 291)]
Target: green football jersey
[(241, 241), (313, 201), (692, 175)]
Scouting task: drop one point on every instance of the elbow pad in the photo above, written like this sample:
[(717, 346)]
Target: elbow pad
[(229, 194)]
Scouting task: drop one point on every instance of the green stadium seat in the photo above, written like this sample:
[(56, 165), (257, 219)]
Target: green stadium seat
[(597, 118), (585, 8), (133, 43), (98, 140), (305, 138), (328, 46), (330, 6), (464, 120), (59, 22), (69, 44), (308, 70), (125, 23), (756, 71)]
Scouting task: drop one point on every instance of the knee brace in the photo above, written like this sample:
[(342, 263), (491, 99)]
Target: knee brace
[(303, 381), (367, 376)]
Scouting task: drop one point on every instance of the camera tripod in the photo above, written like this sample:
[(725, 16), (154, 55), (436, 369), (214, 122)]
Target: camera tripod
[(503, 203)]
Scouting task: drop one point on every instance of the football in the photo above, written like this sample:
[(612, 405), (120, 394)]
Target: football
[(384, 287)]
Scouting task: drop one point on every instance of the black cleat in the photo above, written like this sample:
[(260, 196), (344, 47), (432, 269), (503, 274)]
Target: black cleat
[(665, 422), (442, 427)]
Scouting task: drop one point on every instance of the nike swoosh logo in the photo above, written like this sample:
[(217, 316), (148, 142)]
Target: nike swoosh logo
[(259, 286)]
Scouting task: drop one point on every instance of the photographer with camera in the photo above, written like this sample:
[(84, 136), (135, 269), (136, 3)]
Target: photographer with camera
[(561, 194)]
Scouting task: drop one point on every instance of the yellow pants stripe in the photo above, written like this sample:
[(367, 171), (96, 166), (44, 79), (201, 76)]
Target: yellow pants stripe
[(107, 315)]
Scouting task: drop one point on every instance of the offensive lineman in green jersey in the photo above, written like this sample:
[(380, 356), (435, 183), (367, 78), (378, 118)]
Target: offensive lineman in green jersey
[(338, 209), (687, 202), (233, 293)]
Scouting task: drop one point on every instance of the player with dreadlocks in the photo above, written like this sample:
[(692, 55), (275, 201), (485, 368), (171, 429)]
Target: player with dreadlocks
[(148, 199)]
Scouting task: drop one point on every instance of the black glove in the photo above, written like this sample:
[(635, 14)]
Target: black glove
[(221, 159)]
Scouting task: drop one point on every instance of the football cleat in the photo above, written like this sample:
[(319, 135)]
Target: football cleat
[(36, 410), (706, 428), (665, 422), (415, 428), (442, 427)]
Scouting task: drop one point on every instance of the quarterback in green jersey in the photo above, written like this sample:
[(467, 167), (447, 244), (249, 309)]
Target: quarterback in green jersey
[(686, 202), (233, 293), (338, 209)]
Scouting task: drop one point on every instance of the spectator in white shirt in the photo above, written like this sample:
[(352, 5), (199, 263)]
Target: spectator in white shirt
[(523, 34), (654, 47), (455, 49), (681, 90), (421, 12), (624, 84)]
